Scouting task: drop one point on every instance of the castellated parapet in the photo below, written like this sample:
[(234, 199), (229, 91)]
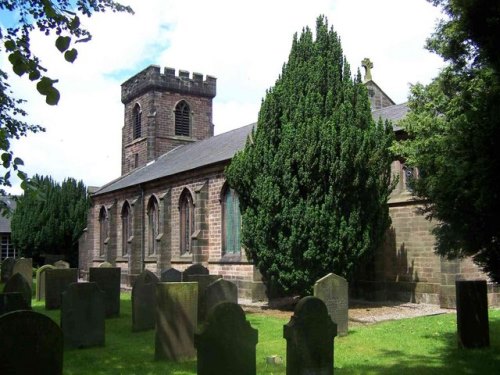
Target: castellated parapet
[(152, 78)]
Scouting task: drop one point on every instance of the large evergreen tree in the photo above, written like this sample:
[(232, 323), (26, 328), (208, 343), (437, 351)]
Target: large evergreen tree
[(314, 177), (51, 219)]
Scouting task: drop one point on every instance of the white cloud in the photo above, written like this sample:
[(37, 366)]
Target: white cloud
[(243, 44)]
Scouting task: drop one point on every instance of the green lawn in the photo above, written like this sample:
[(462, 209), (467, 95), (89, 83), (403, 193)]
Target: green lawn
[(424, 345)]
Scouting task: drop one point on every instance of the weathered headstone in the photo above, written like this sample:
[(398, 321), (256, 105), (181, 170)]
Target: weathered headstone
[(144, 301), (309, 336), (61, 264), (24, 266), (12, 302), (82, 315), (17, 283), (40, 281), (195, 269), (218, 291), (176, 321), (108, 279), (203, 282), (35, 344), (171, 275), (105, 265), (226, 343), (6, 268), (333, 291), (472, 314), (56, 282)]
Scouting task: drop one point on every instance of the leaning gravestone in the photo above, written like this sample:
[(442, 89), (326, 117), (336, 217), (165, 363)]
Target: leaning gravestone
[(195, 269), (226, 343), (34, 345), (40, 281), (18, 284), (176, 321), (82, 315), (203, 282), (105, 265), (333, 291), (12, 302), (56, 282), (219, 291), (144, 301), (108, 279), (309, 336), (6, 269), (472, 314), (24, 266), (171, 275), (61, 264)]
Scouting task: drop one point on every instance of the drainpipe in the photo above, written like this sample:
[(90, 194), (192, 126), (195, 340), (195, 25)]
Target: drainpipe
[(143, 229)]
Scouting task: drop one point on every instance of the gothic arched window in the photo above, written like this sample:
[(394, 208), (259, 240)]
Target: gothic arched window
[(231, 222), (103, 230), (154, 225), (126, 227), (137, 116), (186, 217), (182, 119)]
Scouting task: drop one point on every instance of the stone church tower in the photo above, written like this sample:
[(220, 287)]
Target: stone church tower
[(163, 111)]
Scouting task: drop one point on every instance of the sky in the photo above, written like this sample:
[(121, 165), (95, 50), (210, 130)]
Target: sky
[(243, 44)]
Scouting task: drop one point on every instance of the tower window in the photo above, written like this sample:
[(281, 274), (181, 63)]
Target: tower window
[(182, 119), (137, 121)]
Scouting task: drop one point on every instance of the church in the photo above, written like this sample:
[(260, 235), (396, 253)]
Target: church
[(171, 207)]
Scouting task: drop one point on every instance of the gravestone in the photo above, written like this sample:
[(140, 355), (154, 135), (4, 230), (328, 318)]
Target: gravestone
[(105, 265), (61, 264), (472, 314), (309, 339), (40, 281), (176, 321), (226, 343), (144, 301), (18, 284), (24, 266), (35, 344), (195, 269), (333, 291), (171, 275), (82, 315), (218, 291), (12, 302), (108, 279), (6, 268), (203, 282), (56, 282)]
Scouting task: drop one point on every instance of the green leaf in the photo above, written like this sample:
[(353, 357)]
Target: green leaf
[(44, 85), (71, 55), (18, 161), (34, 75), (19, 68), (53, 96), (62, 43), (75, 23), (6, 158), (10, 45)]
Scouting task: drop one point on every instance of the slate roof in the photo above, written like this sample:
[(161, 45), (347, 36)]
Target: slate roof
[(184, 158), (4, 221), (393, 113)]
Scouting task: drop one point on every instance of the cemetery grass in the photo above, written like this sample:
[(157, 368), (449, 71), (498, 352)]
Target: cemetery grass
[(425, 345)]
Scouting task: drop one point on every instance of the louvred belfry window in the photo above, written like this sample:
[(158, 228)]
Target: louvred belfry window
[(182, 119), (137, 121)]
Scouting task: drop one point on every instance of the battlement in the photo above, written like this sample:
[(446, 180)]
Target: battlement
[(152, 78)]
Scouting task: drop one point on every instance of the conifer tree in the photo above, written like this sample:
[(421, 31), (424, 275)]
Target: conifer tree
[(314, 177), (51, 219)]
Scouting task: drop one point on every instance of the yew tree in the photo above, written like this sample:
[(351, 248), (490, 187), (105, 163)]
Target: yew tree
[(314, 177)]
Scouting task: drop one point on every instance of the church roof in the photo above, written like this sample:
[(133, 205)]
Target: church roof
[(184, 158), (394, 113)]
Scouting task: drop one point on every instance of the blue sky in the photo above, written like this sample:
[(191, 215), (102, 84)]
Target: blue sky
[(243, 44)]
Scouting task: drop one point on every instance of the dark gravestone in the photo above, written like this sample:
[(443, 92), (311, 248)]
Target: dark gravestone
[(24, 266), (12, 302), (472, 314), (61, 264), (333, 291), (171, 275), (203, 282), (309, 337), (6, 269), (34, 344), (56, 282), (218, 291), (144, 301), (176, 321), (40, 281), (226, 343), (195, 269), (82, 315), (108, 279), (18, 284)]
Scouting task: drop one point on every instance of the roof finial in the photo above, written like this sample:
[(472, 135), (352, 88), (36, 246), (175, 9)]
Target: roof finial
[(368, 65)]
